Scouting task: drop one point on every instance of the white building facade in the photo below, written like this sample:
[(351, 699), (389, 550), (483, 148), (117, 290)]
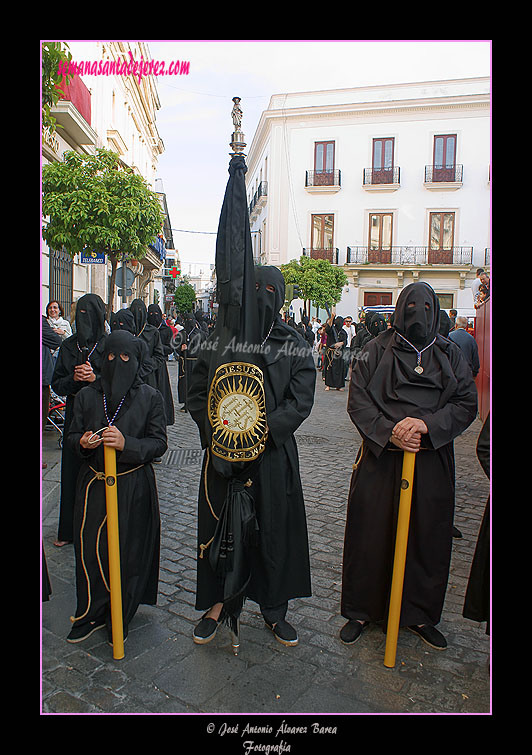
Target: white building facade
[(116, 112), (390, 182)]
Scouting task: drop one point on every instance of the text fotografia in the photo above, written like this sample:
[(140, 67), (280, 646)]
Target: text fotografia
[(284, 729), (131, 67)]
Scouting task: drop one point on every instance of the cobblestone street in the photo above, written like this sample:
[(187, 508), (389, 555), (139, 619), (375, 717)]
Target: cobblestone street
[(165, 672)]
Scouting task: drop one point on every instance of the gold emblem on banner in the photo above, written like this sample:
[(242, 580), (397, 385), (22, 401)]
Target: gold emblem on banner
[(237, 412)]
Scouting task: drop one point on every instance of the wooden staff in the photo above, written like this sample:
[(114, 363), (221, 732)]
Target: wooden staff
[(401, 540), (113, 543)]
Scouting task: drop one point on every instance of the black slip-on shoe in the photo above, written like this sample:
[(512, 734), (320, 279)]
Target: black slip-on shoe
[(204, 631), (430, 635), (80, 632), (284, 632), (351, 631)]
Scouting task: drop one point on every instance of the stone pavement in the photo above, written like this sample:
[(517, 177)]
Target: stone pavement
[(164, 672)]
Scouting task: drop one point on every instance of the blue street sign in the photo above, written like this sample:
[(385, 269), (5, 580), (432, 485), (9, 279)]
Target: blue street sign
[(95, 258)]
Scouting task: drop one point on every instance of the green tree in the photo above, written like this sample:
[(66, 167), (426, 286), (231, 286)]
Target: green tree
[(319, 280), (184, 297), (53, 54), (94, 203)]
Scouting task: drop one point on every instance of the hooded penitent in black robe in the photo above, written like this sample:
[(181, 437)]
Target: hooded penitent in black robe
[(334, 356), (140, 418), (477, 597), (155, 318), (384, 390), (86, 344), (124, 320), (150, 335), (193, 335), (280, 568)]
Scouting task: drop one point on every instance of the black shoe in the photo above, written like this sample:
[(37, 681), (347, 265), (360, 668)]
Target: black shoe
[(284, 632), (351, 631), (430, 635), (205, 631), (80, 632), (456, 532)]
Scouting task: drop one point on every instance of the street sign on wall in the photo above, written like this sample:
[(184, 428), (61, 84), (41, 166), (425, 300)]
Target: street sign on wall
[(95, 258)]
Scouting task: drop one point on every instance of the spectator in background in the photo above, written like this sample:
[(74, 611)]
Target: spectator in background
[(57, 321), (476, 284), (51, 340), (452, 317), (467, 344), (484, 289)]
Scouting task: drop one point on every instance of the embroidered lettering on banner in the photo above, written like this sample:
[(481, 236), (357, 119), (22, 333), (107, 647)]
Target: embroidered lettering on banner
[(237, 412)]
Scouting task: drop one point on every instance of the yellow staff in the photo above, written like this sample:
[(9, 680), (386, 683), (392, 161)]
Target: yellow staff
[(113, 543), (401, 539)]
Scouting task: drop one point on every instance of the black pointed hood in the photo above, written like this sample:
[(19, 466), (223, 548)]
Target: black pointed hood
[(90, 320), (122, 357)]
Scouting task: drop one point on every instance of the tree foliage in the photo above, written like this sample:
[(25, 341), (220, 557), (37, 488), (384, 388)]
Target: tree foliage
[(319, 280), (53, 54), (184, 297), (94, 203)]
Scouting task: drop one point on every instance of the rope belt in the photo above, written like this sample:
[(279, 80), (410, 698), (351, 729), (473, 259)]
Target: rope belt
[(97, 476), (204, 547)]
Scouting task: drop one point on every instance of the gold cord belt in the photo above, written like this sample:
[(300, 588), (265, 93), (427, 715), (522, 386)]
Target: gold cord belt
[(97, 476), (204, 547)]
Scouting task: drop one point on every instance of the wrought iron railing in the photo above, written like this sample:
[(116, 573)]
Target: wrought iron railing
[(409, 255), (322, 178), (322, 254), (373, 176), (60, 278), (440, 173), (262, 191)]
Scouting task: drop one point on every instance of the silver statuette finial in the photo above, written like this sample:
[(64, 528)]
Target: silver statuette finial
[(238, 136)]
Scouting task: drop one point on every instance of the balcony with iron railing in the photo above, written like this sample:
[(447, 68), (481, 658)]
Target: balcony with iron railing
[(323, 180), (441, 176), (409, 255), (259, 198), (323, 254), (382, 177)]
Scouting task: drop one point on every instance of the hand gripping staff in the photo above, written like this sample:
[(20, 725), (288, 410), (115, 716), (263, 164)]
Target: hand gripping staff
[(113, 543), (401, 539)]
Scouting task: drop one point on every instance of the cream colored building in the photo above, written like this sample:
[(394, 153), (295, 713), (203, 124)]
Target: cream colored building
[(117, 112), (390, 182)]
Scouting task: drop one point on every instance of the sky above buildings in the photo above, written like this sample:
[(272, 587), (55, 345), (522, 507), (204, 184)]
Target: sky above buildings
[(195, 122)]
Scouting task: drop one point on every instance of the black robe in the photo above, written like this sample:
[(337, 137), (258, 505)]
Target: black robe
[(63, 384), (384, 389), (155, 318), (154, 360), (141, 420), (280, 568), (335, 371), (188, 357), (477, 597), (163, 378)]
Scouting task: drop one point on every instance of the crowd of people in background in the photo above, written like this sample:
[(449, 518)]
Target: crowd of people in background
[(339, 341)]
